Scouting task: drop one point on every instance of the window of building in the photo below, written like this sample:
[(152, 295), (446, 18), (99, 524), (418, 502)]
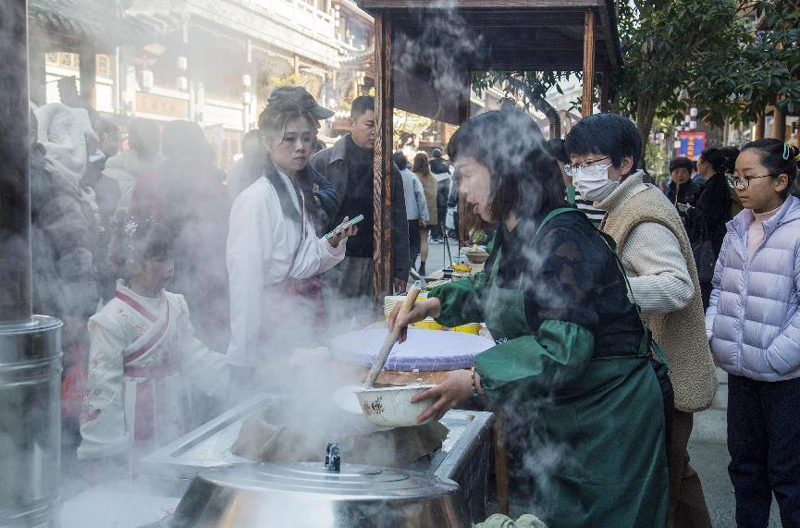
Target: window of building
[(103, 65)]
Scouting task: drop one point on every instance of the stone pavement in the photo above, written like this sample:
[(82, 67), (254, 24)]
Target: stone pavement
[(709, 457)]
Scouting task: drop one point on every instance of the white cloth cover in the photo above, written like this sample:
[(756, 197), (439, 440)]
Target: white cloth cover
[(424, 350)]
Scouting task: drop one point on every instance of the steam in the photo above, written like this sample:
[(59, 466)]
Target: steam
[(70, 253)]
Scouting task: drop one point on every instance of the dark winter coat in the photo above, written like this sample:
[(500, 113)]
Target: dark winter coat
[(332, 163), (64, 281)]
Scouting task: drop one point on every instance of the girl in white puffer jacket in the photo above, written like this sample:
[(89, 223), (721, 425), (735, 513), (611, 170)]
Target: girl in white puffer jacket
[(753, 324)]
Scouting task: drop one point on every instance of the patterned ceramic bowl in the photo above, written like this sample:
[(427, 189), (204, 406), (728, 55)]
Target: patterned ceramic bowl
[(391, 406)]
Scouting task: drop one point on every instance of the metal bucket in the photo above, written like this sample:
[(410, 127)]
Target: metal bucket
[(30, 422)]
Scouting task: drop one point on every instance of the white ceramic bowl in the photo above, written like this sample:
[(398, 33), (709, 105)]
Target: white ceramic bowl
[(391, 406)]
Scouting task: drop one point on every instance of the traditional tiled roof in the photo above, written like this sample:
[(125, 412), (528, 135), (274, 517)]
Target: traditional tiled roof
[(73, 22)]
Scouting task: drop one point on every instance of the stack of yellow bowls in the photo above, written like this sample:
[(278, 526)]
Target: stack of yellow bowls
[(390, 301)]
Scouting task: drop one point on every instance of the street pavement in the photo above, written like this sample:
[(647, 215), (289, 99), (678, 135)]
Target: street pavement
[(709, 457), (707, 447)]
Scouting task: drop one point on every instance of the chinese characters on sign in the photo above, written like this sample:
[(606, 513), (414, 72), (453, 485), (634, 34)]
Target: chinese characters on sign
[(692, 144)]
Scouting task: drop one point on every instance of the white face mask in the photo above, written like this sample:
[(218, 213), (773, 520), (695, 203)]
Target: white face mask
[(593, 183)]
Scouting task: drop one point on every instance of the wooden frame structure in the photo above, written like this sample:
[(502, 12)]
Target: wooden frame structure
[(424, 55), (425, 52)]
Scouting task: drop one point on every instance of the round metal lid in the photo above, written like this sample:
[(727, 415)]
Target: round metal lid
[(311, 477)]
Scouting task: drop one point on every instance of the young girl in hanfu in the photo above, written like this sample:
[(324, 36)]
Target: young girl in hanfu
[(144, 355)]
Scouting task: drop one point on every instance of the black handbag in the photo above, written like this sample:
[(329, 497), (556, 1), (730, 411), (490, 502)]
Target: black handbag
[(705, 260)]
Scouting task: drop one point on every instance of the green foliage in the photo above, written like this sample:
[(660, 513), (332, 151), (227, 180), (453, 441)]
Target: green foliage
[(729, 58), (529, 88)]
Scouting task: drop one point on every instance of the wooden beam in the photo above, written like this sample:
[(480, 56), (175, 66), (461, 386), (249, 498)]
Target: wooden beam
[(87, 66), (609, 37), (588, 64), (465, 104), (605, 88), (382, 193), (476, 4)]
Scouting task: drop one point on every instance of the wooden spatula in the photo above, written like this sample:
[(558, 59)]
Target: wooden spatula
[(391, 339)]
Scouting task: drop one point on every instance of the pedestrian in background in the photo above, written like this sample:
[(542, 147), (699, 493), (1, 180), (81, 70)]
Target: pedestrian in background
[(349, 166), (142, 157), (422, 171), (706, 221), (753, 324), (186, 194), (416, 206), (441, 171), (681, 192)]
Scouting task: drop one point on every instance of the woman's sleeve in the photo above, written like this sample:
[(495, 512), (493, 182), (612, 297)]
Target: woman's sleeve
[(661, 282), (461, 300), (249, 251), (102, 421), (207, 371), (532, 365), (317, 255)]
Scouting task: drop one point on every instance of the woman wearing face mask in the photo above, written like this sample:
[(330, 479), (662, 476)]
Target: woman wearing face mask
[(754, 325), (657, 256), (272, 247), (572, 354)]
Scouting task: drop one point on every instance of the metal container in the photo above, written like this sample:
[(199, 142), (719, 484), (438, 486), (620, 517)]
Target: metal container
[(465, 455), (30, 422), (310, 495)]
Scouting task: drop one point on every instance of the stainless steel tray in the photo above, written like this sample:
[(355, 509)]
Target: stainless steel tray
[(172, 467)]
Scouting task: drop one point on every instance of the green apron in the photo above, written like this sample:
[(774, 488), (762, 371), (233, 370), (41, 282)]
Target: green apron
[(597, 438)]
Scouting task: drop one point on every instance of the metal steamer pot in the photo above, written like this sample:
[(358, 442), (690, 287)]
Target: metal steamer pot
[(335, 495)]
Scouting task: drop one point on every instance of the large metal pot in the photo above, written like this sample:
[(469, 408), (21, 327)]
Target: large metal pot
[(309, 495), (30, 422)]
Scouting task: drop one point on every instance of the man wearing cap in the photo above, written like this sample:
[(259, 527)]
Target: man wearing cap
[(348, 165)]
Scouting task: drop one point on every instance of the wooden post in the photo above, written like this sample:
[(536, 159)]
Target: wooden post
[(588, 64), (88, 71), (382, 197), (779, 123), (605, 88), (761, 125), (501, 459), (465, 105), (15, 205)]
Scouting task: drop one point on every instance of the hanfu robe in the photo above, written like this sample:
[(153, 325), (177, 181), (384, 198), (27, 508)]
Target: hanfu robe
[(144, 358)]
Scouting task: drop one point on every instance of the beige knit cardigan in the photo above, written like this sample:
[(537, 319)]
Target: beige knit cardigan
[(682, 333)]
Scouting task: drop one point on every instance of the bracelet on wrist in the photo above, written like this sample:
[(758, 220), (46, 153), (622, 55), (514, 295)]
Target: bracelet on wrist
[(474, 384)]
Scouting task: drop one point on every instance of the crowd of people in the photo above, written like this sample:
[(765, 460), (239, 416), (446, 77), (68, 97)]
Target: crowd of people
[(610, 301)]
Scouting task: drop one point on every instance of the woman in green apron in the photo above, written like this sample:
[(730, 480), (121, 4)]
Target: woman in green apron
[(571, 354)]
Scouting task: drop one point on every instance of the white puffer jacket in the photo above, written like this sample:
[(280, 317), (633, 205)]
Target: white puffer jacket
[(753, 321)]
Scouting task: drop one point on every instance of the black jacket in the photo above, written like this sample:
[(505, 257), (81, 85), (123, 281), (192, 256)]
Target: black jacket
[(332, 165), (706, 221), (569, 274)]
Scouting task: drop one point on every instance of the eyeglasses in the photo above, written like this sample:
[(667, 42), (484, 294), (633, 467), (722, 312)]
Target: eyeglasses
[(572, 168), (743, 182)]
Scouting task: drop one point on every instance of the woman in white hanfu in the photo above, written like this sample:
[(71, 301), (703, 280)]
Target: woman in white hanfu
[(274, 253), (144, 356)]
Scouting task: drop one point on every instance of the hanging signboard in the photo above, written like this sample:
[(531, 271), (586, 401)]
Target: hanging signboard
[(691, 145)]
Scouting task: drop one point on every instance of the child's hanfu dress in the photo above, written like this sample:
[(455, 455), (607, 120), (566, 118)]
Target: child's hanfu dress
[(144, 358)]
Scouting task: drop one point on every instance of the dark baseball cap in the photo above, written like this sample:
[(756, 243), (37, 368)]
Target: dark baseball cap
[(299, 96)]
